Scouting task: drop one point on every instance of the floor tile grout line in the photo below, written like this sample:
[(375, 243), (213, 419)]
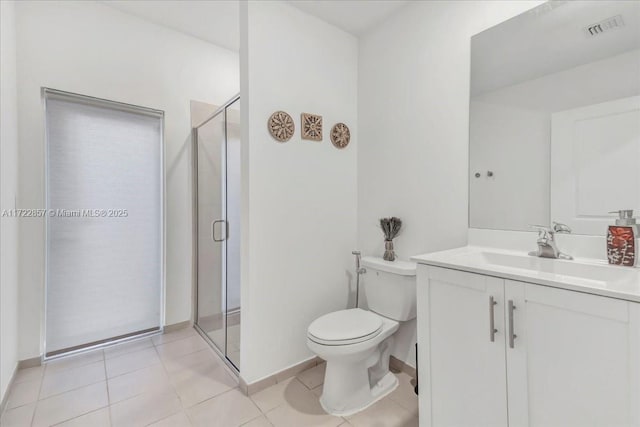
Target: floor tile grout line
[(7, 408), (81, 415), (33, 415), (164, 364), (132, 371), (128, 352), (185, 338), (72, 389), (193, 333), (62, 371), (46, 369), (399, 403), (218, 395), (142, 394), (262, 415), (77, 416), (173, 387), (198, 364), (35, 408), (164, 418), (106, 379), (109, 415)]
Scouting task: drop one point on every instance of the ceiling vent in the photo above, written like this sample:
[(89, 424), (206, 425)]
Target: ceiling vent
[(604, 26)]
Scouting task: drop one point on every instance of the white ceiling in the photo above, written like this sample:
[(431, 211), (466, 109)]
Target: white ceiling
[(353, 16), (217, 21)]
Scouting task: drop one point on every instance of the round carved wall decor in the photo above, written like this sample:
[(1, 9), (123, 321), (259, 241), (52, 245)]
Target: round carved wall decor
[(281, 126), (340, 135)]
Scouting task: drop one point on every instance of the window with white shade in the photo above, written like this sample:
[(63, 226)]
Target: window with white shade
[(104, 221)]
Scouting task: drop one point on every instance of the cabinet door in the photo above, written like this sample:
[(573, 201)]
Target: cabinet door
[(462, 370), (575, 360)]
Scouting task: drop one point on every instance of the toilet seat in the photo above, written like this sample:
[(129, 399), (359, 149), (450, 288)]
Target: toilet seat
[(345, 327)]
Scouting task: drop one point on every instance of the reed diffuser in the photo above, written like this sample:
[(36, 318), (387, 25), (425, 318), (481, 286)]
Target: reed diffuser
[(390, 229)]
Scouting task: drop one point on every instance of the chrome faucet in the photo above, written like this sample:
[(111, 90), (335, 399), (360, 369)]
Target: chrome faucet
[(547, 246)]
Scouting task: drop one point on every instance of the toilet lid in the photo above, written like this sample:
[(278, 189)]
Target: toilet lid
[(345, 327)]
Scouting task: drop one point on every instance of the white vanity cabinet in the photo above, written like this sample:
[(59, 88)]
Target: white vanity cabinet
[(574, 359)]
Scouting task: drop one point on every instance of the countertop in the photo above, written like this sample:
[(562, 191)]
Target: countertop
[(582, 275)]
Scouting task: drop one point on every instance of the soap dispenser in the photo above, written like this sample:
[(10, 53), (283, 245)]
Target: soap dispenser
[(622, 246)]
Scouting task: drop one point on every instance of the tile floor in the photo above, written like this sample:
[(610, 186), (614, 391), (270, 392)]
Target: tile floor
[(233, 341), (175, 380)]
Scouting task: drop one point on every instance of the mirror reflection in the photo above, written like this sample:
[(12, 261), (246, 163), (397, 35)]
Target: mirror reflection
[(555, 117)]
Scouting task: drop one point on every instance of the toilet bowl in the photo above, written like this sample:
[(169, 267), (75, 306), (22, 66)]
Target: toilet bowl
[(357, 343), (357, 348)]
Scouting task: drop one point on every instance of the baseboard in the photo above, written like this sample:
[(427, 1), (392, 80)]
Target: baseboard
[(177, 326), (5, 398), (395, 365), (30, 363), (37, 361), (398, 365), (278, 377)]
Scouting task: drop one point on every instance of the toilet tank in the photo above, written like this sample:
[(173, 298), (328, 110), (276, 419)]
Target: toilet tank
[(389, 288)]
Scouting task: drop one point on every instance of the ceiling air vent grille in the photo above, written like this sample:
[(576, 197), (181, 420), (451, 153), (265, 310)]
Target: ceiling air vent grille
[(604, 26)]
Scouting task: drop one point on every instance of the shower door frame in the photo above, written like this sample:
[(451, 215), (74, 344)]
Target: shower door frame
[(194, 249)]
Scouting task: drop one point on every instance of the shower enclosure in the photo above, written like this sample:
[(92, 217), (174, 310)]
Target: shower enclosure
[(216, 161)]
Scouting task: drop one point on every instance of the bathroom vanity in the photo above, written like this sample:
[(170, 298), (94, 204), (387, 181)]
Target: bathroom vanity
[(507, 339)]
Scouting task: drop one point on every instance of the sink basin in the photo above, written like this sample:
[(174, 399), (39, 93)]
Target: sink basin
[(591, 271), (584, 275)]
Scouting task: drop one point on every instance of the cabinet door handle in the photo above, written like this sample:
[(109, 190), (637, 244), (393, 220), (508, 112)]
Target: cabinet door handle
[(512, 335), (492, 322)]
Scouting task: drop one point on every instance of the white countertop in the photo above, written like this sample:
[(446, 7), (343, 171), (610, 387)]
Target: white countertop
[(582, 274)]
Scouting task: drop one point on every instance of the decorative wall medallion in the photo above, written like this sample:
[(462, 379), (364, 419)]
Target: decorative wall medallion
[(311, 127), (340, 135), (281, 126)]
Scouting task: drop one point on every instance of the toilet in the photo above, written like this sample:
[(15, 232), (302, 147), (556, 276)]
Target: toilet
[(357, 343)]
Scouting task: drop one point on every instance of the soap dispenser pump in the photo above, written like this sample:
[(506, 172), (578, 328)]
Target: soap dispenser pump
[(621, 240)]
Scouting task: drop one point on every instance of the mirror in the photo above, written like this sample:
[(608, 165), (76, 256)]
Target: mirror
[(555, 117)]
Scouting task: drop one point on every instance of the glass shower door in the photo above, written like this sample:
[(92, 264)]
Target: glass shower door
[(211, 229), (217, 166)]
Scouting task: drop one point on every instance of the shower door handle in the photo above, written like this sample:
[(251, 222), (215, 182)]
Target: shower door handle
[(213, 230)]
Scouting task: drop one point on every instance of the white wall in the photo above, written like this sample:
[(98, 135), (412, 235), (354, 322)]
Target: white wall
[(92, 49), (8, 190), (299, 203), (413, 116)]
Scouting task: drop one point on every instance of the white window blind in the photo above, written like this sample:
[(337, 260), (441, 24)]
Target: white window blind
[(104, 238)]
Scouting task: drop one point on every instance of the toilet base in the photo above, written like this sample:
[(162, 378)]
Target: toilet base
[(357, 375), (384, 387)]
